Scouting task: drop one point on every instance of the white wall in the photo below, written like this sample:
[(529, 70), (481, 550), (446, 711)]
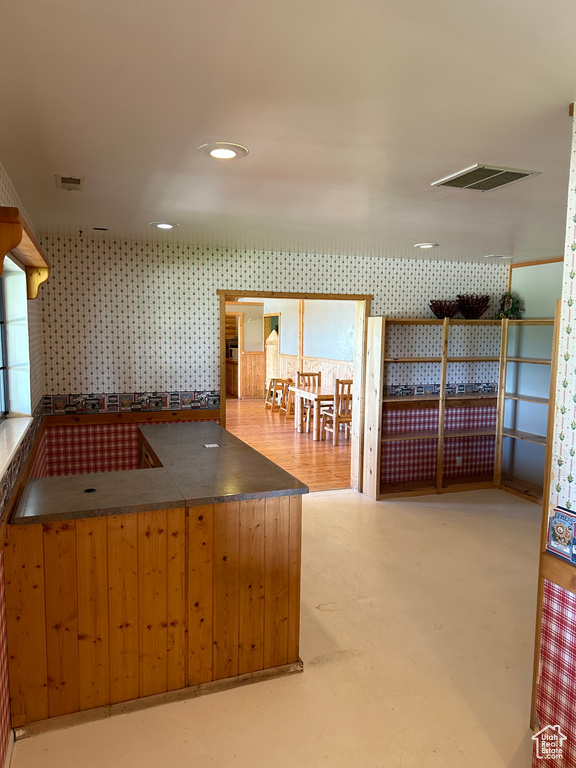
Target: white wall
[(288, 311), (329, 329), (252, 326)]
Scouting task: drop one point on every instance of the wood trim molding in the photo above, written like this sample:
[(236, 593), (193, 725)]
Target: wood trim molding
[(147, 417), (18, 488), (17, 238), (535, 263), (294, 295), (559, 572)]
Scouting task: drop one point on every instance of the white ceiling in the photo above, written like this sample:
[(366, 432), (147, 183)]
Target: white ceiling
[(350, 109)]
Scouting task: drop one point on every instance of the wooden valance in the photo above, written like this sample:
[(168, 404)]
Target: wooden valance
[(17, 238)]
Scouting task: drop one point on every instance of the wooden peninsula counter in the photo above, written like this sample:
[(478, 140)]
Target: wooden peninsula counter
[(124, 585)]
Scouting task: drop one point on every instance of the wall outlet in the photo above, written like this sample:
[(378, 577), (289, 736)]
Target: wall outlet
[(458, 461)]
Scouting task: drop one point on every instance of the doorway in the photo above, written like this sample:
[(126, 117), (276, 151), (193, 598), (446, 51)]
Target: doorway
[(362, 307)]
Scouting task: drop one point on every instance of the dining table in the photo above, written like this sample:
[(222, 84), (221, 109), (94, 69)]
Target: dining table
[(318, 396)]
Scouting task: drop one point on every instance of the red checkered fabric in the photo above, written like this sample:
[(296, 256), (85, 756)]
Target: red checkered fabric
[(556, 694), (407, 460), (79, 449), (5, 725), (476, 456), (85, 448), (410, 460), (410, 420), (481, 417), (39, 466)]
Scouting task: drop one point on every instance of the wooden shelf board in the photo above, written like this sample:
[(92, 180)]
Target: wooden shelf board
[(394, 437), (409, 398), (473, 396), (464, 321), (526, 398), (491, 359), (485, 481), (522, 486), (412, 359), (410, 486), (469, 432), (414, 321), (526, 436), (439, 321), (543, 321), (531, 360)]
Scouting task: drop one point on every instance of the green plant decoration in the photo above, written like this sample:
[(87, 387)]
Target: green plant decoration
[(568, 505), (558, 487), (510, 306)]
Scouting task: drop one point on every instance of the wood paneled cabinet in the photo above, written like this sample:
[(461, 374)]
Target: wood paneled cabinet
[(436, 416), (232, 377)]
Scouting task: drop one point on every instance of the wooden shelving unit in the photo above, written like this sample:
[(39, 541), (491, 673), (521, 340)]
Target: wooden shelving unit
[(521, 486), (380, 444)]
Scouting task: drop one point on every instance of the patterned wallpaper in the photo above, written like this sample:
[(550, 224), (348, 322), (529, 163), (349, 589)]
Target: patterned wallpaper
[(562, 490), (132, 317), (463, 341)]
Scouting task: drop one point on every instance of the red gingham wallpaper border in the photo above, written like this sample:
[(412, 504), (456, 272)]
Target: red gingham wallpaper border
[(556, 693)]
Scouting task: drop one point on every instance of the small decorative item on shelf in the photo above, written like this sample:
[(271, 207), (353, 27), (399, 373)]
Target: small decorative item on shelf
[(443, 308), (472, 306), (509, 306)]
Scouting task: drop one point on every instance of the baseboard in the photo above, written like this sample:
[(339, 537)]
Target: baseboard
[(135, 705)]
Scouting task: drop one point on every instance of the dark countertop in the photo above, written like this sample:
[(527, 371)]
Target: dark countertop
[(192, 474), (231, 472), (50, 499)]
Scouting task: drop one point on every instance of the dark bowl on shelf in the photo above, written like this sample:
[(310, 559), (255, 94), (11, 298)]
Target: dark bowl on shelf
[(472, 306), (444, 308)]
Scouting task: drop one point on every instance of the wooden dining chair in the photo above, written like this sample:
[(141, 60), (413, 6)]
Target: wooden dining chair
[(340, 414), (310, 379), (287, 399), (275, 393)]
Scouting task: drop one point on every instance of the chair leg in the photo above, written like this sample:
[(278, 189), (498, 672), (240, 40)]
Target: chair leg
[(268, 394), (336, 431)]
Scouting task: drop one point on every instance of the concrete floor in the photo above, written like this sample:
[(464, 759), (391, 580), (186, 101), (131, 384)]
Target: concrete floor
[(417, 633)]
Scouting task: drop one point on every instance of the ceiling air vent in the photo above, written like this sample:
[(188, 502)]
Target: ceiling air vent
[(71, 183), (483, 177)]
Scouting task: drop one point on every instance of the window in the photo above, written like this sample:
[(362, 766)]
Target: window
[(3, 362), (15, 385)]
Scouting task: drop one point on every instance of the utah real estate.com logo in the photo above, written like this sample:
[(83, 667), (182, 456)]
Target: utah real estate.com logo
[(549, 743)]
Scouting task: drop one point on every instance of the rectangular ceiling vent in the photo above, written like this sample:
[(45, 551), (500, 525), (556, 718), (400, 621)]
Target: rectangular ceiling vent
[(483, 177), (71, 183)]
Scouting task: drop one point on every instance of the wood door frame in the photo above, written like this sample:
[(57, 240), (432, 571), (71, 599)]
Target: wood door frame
[(240, 331), (362, 314), (278, 315)]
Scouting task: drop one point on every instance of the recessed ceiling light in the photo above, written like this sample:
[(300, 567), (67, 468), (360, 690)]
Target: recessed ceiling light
[(223, 150), (425, 245), (163, 224), (496, 256)]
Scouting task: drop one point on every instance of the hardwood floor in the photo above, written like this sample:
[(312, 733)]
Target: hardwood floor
[(321, 465)]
